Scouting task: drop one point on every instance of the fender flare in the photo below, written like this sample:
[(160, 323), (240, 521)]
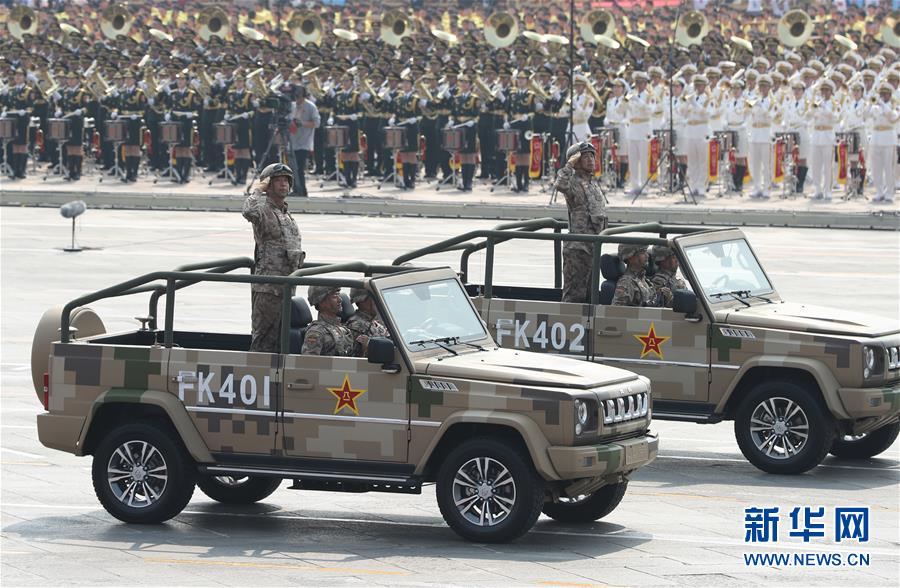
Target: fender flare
[(535, 441), (169, 403), (826, 381)]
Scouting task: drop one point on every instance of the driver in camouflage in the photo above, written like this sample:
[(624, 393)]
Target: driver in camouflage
[(666, 268), (587, 215), (277, 252), (633, 288), (326, 335), (365, 320)]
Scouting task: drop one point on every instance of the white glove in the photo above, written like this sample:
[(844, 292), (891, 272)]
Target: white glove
[(245, 115), (189, 115), (444, 94), (391, 121), (206, 102), (365, 96), (115, 93), (470, 123), (151, 101), (506, 124), (449, 124), (114, 115), (57, 96), (168, 116), (57, 114), (22, 112), (219, 76), (78, 112), (134, 117), (411, 121), (330, 121), (354, 116), (423, 103), (255, 102)]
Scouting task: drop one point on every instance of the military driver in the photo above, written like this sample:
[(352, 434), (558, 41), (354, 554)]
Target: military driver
[(365, 320), (277, 252), (666, 267), (633, 288), (587, 215), (326, 335)]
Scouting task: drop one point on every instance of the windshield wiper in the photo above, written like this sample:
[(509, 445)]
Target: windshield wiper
[(769, 300), (440, 342), (458, 341), (736, 294)]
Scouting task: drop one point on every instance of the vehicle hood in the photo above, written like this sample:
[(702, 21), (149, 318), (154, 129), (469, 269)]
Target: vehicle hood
[(791, 316), (524, 368)]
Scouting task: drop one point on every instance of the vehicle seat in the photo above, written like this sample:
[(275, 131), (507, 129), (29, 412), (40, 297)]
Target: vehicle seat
[(612, 268), (347, 309), (300, 319)]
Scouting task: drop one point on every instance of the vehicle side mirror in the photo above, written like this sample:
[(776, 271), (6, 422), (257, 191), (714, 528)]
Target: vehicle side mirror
[(685, 302), (381, 351)]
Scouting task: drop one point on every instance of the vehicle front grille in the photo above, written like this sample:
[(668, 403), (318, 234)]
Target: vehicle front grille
[(626, 408)]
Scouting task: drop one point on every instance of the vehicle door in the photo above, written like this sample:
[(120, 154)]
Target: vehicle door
[(344, 408), (562, 328), (230, 396)]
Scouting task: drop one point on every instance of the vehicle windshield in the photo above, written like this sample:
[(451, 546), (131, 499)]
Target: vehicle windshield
[(727, 270), (433, 314)]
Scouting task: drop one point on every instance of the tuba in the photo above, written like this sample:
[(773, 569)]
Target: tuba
[(394, 26), (305, 27), (22, 21), (115, 21), (691, 29), (597, 24), (795, 28), (501, 29), (890, 31), (213, 22)]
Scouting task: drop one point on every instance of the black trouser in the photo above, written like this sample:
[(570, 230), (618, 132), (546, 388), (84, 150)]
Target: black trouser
[(372, 127), (300, 156), (522, 178), (433, 150), (261, 136), (487, 141)]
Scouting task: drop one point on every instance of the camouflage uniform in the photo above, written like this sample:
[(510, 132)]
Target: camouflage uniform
[(634, 289), (363, 323), (666, 279), (327, 336), (277, 253), (587, 215)]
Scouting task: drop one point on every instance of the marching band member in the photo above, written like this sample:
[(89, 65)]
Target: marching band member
[(884, 115), (824, 115), (521, 106), (853, 120), (130, 105), (616, 109), (16, 105), (407, 110), (584, 106), (464, 111), (793, 120), (678, 127), (239, 111), (697, 110), (734, 109), (762, 114), (183, 105), (346, 113), (74, 102), (639, 108)]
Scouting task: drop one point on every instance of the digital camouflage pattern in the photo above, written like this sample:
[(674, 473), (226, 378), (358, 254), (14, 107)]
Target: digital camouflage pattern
[(278, 249), (327, 336), (667, 279), (265, 320), (634, 289)]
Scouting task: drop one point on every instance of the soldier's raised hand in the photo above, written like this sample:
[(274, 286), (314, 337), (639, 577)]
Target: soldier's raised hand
[(573, 161)]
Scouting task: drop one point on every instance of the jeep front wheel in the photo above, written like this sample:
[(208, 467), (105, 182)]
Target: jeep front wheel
[(489, 491), (868, 445), (587, 508), (141, 475), (782, 428), (238, 490)]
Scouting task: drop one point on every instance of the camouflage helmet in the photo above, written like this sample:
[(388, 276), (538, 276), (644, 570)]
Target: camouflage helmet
[(276, 169), (661, 252), (357, 295), (626, 250), (579, 148), (317, 294)]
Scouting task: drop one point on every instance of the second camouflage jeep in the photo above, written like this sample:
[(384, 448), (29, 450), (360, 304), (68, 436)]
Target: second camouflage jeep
[(798, 381), (504, 434)]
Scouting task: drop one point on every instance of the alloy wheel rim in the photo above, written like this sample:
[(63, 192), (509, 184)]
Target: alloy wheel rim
[(137, 474), (779, 428), (484, 491)]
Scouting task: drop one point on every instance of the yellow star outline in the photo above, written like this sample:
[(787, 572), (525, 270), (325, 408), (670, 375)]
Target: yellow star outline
[(651, 342), (346, 396)]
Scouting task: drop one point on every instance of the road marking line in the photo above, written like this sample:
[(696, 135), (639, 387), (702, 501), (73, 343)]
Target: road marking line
[(22, 453), (551, 583), (35, 463), (311, 568), (821, 465)]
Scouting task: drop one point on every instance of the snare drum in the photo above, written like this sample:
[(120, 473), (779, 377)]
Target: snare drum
[(851, 138), (224, 133), (58, 129), (453, 139), (116, 130), (7, 129), (337, 137), (609, 136), (507, 140), (790, 137), (170, 132), (727, 141), (395, 137)]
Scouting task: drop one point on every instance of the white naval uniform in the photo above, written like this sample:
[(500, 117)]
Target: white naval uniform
[(678, 125), (640, 110), (735, 119), (822, 122), (853, 120), (615, 117), (884, 118), (793, 120), (584, 107), (761, 118), (697, 113)]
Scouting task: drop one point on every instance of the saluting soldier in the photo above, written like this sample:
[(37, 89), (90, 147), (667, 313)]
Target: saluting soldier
[(346, 113), (520, 111), (74, 102), (239, 112), (17, 104), (465, 109), (184, 105)]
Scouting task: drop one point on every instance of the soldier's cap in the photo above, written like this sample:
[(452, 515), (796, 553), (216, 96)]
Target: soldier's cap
[(857, 86), (626, 250), (765, 80), (579, 148), (868, 73), (827, 84), (817, 65), (689, 68), (876, 61), (680, 81), (700, 79), (798, 84), (656, 71), (893, 75), (661, 252), (316, 294), (761, 61), (276, 169), (580, 79), (727, 64), (836, 75), (357, 295), (619, 82), (777, 76), (885, 88), (639, 76)]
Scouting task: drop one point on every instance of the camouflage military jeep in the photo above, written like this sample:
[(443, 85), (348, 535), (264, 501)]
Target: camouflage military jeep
[(798, 381), (504, 434)]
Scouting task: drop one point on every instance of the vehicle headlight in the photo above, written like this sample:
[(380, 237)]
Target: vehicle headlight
[(894, 357), (868, 361), (581, 416)]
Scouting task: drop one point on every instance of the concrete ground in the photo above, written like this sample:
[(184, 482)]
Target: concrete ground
[(681, 522)]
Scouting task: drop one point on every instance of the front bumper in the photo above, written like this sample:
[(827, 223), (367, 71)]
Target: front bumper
[(602, 459), (862, 403)]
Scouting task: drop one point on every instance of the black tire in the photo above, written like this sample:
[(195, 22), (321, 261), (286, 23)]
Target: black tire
[(590, 508), (246, 490), (869, 445), (160, 450), (522, 498), (797, 454)]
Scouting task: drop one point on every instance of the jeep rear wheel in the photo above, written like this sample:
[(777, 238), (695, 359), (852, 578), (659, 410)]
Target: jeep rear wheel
[(489, 491), (782, 428), (868, 445), (238, 490), (587, 508), (141, 475)]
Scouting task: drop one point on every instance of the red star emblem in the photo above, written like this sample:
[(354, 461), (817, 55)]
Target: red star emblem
[(651, 342), (346, 396)]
